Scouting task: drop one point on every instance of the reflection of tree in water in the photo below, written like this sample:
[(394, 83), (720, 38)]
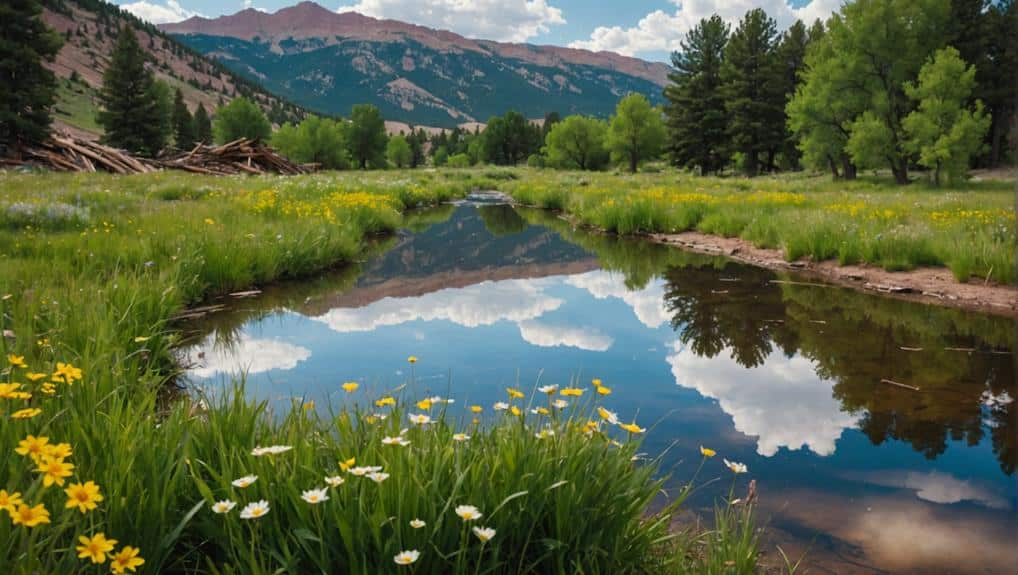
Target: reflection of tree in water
[(501, 219), (856, 340)]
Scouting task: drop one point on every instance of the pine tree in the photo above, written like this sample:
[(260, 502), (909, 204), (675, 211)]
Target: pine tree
[(130, 100), (791, 61), (27, 88), (696, 109), (755, 106), (183, 123), (202, 125)]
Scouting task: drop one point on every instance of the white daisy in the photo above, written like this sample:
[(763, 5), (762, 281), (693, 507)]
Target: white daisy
[(377, 476), (362, 471), (398, 440), (560, 404), (407, 557), (335, 480), (314, 496), (254, 510), (485, 534), (501, 406), (245, 481), (460, 437), (417, 523), (549, 389), (223, 506), (420, 418), (736, 467), (468, 512)]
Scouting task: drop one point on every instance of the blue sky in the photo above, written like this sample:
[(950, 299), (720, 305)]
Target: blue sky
[(648, 29)]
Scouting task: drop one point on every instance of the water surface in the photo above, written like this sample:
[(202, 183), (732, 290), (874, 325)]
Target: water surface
[(870, 477)]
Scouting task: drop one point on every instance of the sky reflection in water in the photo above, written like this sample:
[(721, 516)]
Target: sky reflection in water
[(782, 377)]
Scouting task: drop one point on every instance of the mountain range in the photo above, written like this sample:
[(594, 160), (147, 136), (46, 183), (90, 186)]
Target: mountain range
[(327, 61)]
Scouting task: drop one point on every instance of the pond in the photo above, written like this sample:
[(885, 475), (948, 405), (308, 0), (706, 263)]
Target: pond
[(785, 377)]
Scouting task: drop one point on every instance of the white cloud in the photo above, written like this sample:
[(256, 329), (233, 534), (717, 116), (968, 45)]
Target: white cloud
[(545, 335), (782, 402), (503, 20), (648, 304), (481, 304), (247, 355), (170, 11), (662, 31), (938, 487)]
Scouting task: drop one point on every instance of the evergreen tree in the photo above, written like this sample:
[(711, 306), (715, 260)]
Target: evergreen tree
[(550, 119), (416, 141), (753, 99), (791, 61), (996, 78), (636, 132), (366, 137), (241, 118), (27, 88), (202, 125), (183, 123), (696, 109), (510, 139), (131, 105)]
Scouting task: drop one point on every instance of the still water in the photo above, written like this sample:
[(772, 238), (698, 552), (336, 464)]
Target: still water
[(869, 477)]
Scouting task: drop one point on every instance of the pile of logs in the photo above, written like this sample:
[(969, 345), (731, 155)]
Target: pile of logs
[(74, 155), (236, 157), (64, 153)]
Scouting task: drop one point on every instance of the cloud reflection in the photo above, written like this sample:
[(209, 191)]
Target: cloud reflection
[(938, 487), (648, 304), (245, 355), (545, 335)]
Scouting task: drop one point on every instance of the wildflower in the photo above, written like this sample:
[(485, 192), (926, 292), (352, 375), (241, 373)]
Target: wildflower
[(210, 221), (224, 506), (344, 465), (595, 382), (33, 446), (468, 512), (362, 471), (460, 437), (59, 450), (54, 470), (48, 388), (385, 401), (485, 534), (544, 433), (548, 389), (417, 523), (30, 516), (334, 480), (632, 427), (735, 466), (707, 452), (254, 510), (540, 411), (95, 547), (560, 404), (515, 410), (407, 557), (245, 481), (26, 413), (501, 406), (271, 450), (514, 393), (420, 418), (601, 390), (591, 427), (572, 391), (34, 377), (9, 501), (66, 373), (608, 416), (308, 405), (126, 560), (350, 386), (9, 390), (424, 404), (16, 360), (412, 359), (141, 339), (398, 440), (377, 476), (84, 496), (314, 496), (476, 408)]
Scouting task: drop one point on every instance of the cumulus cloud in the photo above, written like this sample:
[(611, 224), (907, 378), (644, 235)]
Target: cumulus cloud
[(170, 11), (782, 402), (481, 304), (938, 487), (545, 335), (247, 355), (663, 30), (648, 304), (503, 20)]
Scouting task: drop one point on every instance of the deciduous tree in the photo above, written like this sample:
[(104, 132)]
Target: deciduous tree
[(241, 118), (577, 143), (636, 132)]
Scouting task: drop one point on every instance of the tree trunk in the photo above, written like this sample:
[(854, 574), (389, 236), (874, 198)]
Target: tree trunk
[(847, 168), (936, 175), (833, 166), (900, 171), (632, 162)]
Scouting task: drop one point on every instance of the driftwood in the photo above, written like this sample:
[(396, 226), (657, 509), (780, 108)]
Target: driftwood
[(898, 384), (241, 156), (64, 153)]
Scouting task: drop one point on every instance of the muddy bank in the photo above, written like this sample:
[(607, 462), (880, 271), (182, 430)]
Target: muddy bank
[(929, 285)]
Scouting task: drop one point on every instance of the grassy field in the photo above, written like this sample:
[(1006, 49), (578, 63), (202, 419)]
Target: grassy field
[(970, 230), (93, 269)]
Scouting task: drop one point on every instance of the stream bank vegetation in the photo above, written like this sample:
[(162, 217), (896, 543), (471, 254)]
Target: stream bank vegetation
[(105, 474)]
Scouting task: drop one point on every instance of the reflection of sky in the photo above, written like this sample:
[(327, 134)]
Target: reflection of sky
[(245, 355)]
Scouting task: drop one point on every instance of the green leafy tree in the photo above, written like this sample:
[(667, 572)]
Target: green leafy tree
[(131, 105), (459, 161), (577, 143), (27, 88), (753, 91), (202, 125), (365, 137), (943, 130), (241, 118), (398, 151), (697, 120), (636, 132), (440, 156), (510, 139), (315, 140), (183, 123)]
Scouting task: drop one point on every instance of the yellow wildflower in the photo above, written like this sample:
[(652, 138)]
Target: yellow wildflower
[(58, 450), (345, 465), (33, 446), (514, 393), (632, 427), (26, 413), (350, 386), (9, 501), (95, 548), (66, 373), (54, 470), (412, 359), (424, 404), (126, 560), (141, 339), (515, 410), (9, 390), (707, 452), (476, 408), (385, 401), (48, 388), (595, 382), (210, 221), (16, 360), (601, 390), (34, 377), (572, 391), (30, 516), (84, 496)]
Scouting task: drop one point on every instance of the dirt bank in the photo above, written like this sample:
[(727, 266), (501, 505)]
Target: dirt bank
[(930, 285)]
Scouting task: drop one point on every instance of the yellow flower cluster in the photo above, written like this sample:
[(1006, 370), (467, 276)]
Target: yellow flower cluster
[(329, 207), (980, 217)]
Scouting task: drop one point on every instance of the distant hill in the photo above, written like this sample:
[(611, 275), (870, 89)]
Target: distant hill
[(89, 28), (328, 61)]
